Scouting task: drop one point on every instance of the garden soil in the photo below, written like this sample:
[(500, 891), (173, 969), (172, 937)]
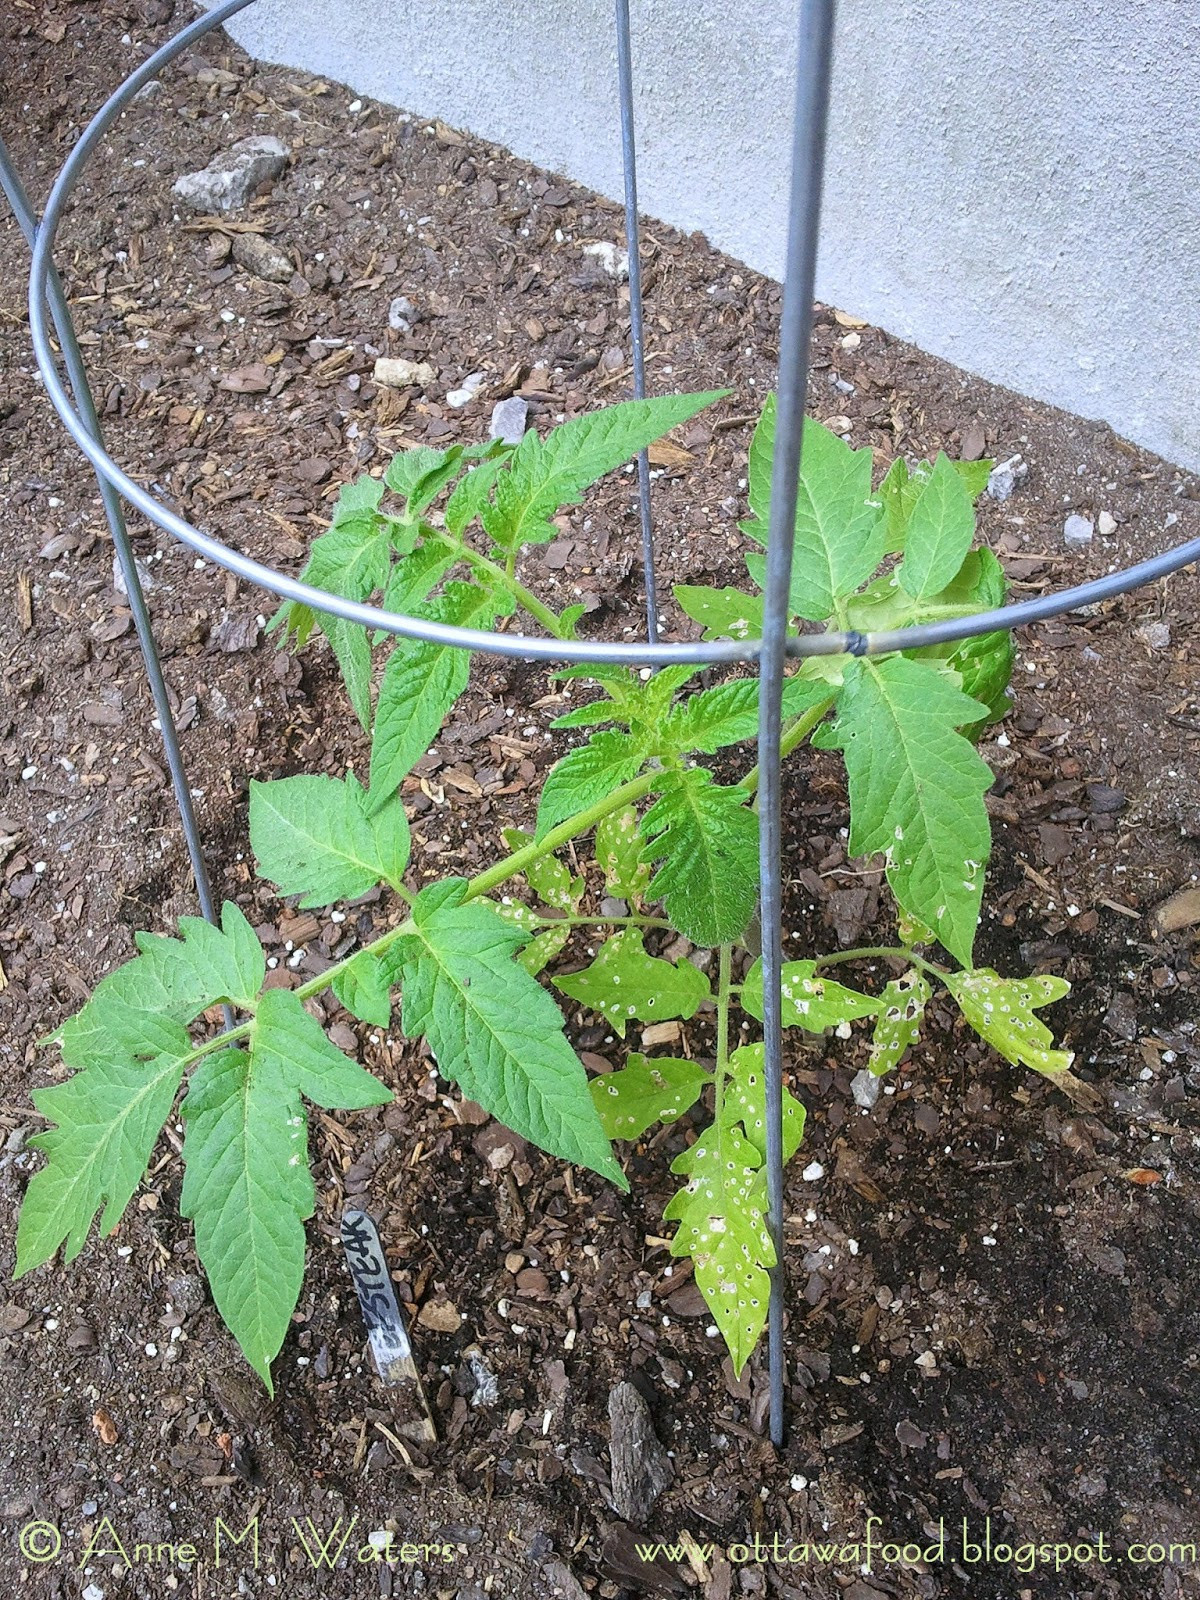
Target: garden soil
[(994, 1311)]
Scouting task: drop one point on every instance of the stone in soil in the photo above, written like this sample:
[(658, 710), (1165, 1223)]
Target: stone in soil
[(394, 372), (641, 1468), (228, 181), (262, 258), (1077, 531), (508, 420)]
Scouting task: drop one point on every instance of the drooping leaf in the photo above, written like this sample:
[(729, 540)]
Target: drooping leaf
[(363, 989), (916, 789), (728, 714), (723, 613), (941, 526), (313, 838), (706, 841), (841, 530), (619, 853), (247, 1185), (898, 1025), (808, 1001), (624, 982), (585, 776), (494, 1029), (420, 684), (721, 1213), (547, 876), (645, 1091), (746, 1101), (543, 475), (107, 1118), (1001, 1010)]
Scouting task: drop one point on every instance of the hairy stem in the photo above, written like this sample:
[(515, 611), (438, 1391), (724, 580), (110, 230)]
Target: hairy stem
[(794, 734), (504, 577), (724, 967), (890, 952)]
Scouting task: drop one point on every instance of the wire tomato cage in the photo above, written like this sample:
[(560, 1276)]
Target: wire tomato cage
[(73, 401)]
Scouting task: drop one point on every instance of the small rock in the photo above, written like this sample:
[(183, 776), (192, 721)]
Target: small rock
[(1104, 800), (614, 261), (401, 315), (262, 258), (440, 1316), (1121, 1016), (866, 1088), (483, 1388), (229, 179), (610, 906), (1106, 525), (143, 572), (186, 1294), (812, 1172), (508, 420), (1077, 530), (974, 441), (394, 372), (235, 634), (1156, 634), (1005, 476), (910, 1436), (641, 1468), (613, 359), (470, 388)]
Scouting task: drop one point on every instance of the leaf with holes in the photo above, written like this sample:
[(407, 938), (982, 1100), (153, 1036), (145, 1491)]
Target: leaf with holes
[(746, 1101), (1001, 1010), (645, 1091), (624, 982), (722, 613), (619, 854), (706, 841), (808, 1001), (898, 1025)]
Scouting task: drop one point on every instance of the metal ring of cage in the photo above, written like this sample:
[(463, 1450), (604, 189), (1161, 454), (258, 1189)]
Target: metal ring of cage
[(518, 645)]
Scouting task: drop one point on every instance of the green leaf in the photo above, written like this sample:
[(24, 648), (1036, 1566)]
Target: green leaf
[(746, 1101), (545, 474), (728, 714), (312, 837), (363, 989), (707, 842), (247, 1185), (940, 529), (644, 1092), (225, 963), (413, 579), (619, 853), (420, 475), (420, 685), (808, 1001), (721, 1213), (916, 790), (585, 776), (624, 982), (352, 650), (1001, 1010), (493, 1029), (724, 613), (470, 496), (107, 1120), (543, 948), (901, 1012), (841, 530), (547, 876), (900, 490)]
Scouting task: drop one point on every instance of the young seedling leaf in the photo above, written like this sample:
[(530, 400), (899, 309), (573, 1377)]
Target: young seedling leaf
[(721, 1213), (420, 475), (624, 982), (493, 1029), (808, 1001), (645, 1091), (1001, 1010), (706, 841), (313, 838), (898, 1025), (746, 1102), (916, 789), (619, 853), (543, 475), (107, 1118), (841, 530), (900, 490), (941, 526), (363, 989), (723, 613), (247, 1185), (728, 714), (225, 963), (585, 776), (420, 684)]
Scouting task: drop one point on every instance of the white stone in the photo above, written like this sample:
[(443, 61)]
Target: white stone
[(401, 314), (471, 386), (394, 372), (1077, 530), (614, 261), (229, 179), (508, 420), (1106, 525)]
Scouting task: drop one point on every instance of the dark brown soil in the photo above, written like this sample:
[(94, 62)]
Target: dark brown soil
[(994, 1303)]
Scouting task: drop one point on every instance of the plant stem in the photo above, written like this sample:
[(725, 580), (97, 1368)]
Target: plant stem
[(793, 735), (524, 597), (603, 922), (889, 952), (724, 966)]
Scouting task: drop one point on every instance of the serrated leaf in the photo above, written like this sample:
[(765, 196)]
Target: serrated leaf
[(470, 496), (362, 988), (420, 684), (624, 982), (225, 963), (312, 837), (841, 529), (728, 714), (543, 948), (723, 1227), (547, 876), (420, 475), (493, 1029), (1001, 1010), (247, 1185), (545, 474), (619, 853), (645, 1091), (107, 1119), (808, 1001), (901, 488), (746, 1101), (413, 579), (898, 1025), (706, 842), (941, 526), (916, 789), (723, 613), (585, 776)]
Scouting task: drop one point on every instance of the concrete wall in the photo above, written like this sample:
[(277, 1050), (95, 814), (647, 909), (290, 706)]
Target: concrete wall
[(1012, 185)]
